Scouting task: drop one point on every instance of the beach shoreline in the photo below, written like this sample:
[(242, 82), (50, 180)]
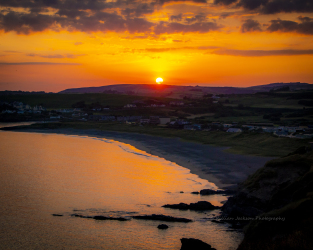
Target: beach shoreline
[(208, 162)]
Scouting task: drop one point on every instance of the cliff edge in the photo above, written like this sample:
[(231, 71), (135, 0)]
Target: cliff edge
[(276, 204)]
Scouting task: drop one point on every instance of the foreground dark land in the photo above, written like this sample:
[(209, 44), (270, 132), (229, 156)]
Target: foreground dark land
[(277, 204)]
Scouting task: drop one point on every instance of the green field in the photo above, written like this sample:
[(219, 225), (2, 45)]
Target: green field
[(283, 100)]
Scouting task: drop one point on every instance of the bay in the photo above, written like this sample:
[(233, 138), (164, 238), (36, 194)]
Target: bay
[(43, 174)]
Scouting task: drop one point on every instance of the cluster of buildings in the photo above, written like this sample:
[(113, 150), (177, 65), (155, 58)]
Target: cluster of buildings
[(21, 108), (156, 120), (137, 104), (281, 131), (300, 132)]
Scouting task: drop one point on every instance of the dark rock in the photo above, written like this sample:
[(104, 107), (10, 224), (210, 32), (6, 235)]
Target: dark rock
[(211, 192), (194, 244), (218, 221), (199, 206), (57, 214), (236, 226), (181, 206), (195, 192), (100, 217), (162, 226), (78, 215), (81, 216), (161, 217), (181, 192)]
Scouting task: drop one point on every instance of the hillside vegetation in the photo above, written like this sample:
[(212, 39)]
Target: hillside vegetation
[(279, 197)]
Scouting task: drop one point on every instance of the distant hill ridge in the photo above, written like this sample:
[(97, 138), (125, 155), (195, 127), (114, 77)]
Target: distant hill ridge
[(181, 91)]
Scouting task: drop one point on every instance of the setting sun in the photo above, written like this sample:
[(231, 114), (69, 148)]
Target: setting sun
[(159, 80)]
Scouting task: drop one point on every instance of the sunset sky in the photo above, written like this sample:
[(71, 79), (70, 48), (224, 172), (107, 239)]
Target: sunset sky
[(52, 45)]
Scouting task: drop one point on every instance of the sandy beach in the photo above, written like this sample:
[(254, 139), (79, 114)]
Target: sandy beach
[(212, 163)]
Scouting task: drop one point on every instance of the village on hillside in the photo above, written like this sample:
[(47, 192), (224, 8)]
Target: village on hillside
[(101, 114)]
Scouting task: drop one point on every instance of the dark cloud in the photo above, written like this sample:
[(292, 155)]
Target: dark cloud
[(224, 2), (252, 4), (176, 18), (25, 23), (174, 27), (305, 19), (271, 6), (226, 14), (250, 25), (168, 1), (87, 4), (201, 17), (96, 15), (71, 13), (197, 18), (304, 27), (258, 53), (276, 6), (139, 10), (61, 4)]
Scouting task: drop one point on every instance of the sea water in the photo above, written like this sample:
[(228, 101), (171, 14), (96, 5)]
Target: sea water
[(44, 174)]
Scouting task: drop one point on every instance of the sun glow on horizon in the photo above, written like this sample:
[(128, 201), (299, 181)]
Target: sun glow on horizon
[(159, 80)]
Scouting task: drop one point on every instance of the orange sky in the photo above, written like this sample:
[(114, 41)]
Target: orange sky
[(52, 45)]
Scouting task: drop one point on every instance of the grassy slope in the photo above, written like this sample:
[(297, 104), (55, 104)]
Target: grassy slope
[(244, 143), (262, 101), (295, 205)]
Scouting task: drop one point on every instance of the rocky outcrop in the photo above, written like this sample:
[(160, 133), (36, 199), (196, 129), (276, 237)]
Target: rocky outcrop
[(199, 206), (161, 217), (81, 216), (99, 217), (162, 226), (194, 244), (271, 187), (195, 192), (277, 203), (211, 192)]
